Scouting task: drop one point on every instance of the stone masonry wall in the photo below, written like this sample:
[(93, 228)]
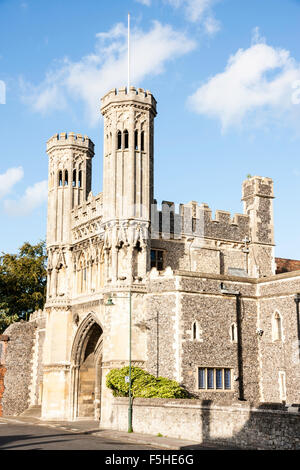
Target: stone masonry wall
[(18, 363), (279, 356), (161, 347), (237, 426)]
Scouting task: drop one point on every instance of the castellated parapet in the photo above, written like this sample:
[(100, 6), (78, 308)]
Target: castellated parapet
[(64, 140), (196, 220), (137, 95), (259, 186), (258, 204)]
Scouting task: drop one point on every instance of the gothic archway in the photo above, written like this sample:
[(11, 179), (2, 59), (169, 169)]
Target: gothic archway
[(86, 369)]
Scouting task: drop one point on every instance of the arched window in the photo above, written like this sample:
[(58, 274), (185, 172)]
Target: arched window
[(136, 139), (119, 143), (142, 141), (60, 182), (74, 179), (66, 178), (277, 327), (194, 331), (233, 333), (126, 141), (80, 179)]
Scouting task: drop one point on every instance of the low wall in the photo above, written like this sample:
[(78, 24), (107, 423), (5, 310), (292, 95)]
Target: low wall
[(199, 421)]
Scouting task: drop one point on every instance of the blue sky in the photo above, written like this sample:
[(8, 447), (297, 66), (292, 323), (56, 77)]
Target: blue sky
[(225, 73)]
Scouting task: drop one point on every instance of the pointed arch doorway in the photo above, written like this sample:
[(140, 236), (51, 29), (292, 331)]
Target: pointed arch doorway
[(86, 370)]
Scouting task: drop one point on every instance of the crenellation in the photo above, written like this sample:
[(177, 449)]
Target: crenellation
[(65, 139), (259, 186), (195, 219), (138, 95), (87, 210), (223, 217)]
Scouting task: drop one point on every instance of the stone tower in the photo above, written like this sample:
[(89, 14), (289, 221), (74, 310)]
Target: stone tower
[(258, 205), (69, 185), (70, 172), (127, 182)]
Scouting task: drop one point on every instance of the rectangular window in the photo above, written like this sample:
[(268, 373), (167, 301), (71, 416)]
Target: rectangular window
[(201, 373), (227, 379), (219, 379), (157, 259), (210, 378)]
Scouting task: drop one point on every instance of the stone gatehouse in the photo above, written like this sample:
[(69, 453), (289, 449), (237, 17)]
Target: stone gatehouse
[(207, 308)]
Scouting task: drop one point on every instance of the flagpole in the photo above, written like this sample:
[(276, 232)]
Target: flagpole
[(128, 46)]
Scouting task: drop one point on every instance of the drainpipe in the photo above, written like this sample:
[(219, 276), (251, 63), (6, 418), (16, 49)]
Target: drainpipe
[(297, 300), (237, 296)]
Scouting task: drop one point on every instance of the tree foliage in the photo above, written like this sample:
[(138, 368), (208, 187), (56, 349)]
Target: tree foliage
[(22, 283), (143, 384)]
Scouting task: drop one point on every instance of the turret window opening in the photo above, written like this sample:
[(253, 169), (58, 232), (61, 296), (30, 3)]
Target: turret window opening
[(80, 179), (60, 180), (126, 139), (142, 141), (119, 140), (136, 139), (74, 179), (66, 178)]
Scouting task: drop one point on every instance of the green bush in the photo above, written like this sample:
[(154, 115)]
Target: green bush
[(143, 384)]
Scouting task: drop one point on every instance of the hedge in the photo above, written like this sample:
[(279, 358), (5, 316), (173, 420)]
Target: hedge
[(143, 384)]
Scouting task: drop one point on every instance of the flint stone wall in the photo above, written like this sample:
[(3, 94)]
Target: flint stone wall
[(196, 420), (18, 365)]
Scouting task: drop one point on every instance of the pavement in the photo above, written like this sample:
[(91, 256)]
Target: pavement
[(88, 427)]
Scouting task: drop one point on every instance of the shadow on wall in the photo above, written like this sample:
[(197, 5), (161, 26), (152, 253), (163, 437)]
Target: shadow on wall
[(269, 427)]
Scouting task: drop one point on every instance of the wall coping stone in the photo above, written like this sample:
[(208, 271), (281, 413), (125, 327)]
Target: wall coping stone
[(198, 404)]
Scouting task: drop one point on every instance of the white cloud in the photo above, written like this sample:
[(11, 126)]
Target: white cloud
[(9, 179), (147, 3), (105, 68), (257, 82), (33, 197), (198, 10), (211, 25)]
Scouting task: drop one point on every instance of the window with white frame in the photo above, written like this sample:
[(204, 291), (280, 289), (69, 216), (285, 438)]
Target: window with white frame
[(282, 386), (214, 378), (233, 332), (277, 327)]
